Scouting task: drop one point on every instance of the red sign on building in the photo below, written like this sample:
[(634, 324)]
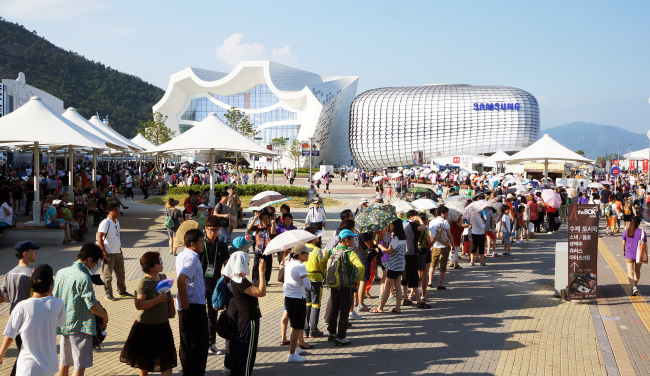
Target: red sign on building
[(456, 159), (631, 165), (645, 166)]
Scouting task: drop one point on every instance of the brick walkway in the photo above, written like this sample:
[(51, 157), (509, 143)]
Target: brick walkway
[(501, 319)]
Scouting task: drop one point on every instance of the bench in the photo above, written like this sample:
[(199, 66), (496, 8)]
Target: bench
[(39, 235)]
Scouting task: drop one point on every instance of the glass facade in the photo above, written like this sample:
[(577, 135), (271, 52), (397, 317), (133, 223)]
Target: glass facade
[(387, 125), (257, 97)]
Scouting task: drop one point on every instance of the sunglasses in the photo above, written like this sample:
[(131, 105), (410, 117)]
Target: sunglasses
[(160, 261)]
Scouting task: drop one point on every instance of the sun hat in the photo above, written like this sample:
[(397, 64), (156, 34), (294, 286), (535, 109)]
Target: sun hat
[(301, 248), (347, 234), (56, 202), (315, 200), (363, 201), (240, 244), (510, 195), (70, 204)]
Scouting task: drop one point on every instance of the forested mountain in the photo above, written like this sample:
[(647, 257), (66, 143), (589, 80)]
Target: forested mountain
[(87, 85), (593, 139)]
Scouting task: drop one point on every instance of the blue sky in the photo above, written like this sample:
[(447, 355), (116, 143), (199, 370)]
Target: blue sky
[(583, 61)]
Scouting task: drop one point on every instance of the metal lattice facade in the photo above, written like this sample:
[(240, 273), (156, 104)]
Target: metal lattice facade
[(388, 124)]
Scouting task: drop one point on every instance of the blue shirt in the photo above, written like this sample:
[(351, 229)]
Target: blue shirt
[(48, 215), (187, 263)]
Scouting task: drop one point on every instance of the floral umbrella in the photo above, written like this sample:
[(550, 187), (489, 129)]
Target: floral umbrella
[(375, 218), (475, 207), (456, 206)]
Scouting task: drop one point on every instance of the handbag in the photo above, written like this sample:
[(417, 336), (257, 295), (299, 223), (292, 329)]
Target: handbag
[(226, 326), (558, 220), (281, 275), (642, 250)]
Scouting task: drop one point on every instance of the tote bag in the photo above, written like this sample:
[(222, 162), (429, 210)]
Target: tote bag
[(642, 250)]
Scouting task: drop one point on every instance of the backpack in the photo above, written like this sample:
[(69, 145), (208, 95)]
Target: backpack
[(169, 222), (220, 295), (608, 210), (627, 209), (337, 274)]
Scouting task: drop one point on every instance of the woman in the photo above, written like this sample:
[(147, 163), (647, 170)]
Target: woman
[(295, 283), (378, 195), (506, 229), (395, 266), (263, 230), (631, 237), (17, 194), (243, 349), (150, 344), (310, 194), (177, 216), (456, 229)]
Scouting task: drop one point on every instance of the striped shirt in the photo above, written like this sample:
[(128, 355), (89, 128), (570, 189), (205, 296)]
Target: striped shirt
[(75, 287), (396, 261)]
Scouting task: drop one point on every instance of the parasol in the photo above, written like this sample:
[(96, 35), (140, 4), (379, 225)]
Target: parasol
[(396, 175), (551, 198), (424, 203), (375, 218), (571, 192), (475, 207), (605, 182), (266, 198), (594, 185), (456, 206), (288, 239), (377, 178), (179, 241), (402, 206), (318, 175)]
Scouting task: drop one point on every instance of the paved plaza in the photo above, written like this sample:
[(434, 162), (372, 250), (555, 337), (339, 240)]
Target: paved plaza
[(501, 319)]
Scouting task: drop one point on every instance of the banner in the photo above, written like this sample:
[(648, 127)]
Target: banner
[(645, 166), (604, 164), (615, 162), (632, 165), (315, 152), (583, 251)]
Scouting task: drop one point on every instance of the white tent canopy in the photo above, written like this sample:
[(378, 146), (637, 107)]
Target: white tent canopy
[(72, 115), (547, 148), (213, 135), (638, 155), (94, 120), (143, 142), (499, 156)]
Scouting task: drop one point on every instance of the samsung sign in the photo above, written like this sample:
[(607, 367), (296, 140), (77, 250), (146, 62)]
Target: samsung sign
[(496, 106)]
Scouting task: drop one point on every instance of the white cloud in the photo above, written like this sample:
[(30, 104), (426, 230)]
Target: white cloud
[(50, 9), (232, 51)]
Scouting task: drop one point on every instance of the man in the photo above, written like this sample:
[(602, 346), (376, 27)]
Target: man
[(190, 303), (144, 185), (581, 188), (75, 286), (17, 286), (316, 217), (36, 319), (108, 239), (410, 278), (342, 296), (129, 186), (233, 203), (443, 245), (266, 173), (70, 221), (214, 256), (315, 293), (605, 194), (221, 211)]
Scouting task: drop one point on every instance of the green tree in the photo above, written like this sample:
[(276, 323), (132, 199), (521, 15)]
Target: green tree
[(238, 121), (580, 152), (294, 152), (155, 130), (281, 142)]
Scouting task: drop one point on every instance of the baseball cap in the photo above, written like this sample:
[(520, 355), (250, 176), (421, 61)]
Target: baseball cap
[(347, 234), (70, 204), (44, 274), (301, 248), (315, 200), (510, 195), (240, 243), (56, 202), (26, 245), (363, 200)]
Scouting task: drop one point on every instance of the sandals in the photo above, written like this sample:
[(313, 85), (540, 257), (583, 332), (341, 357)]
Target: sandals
[(394, 310), (376, 310), (285, 343), (407, 302), (458, 267), (308, 347), (423, 305), (368, 296)]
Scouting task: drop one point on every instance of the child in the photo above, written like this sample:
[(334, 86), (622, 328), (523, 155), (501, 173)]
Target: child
[(610, 214), (506, 229), (521, 230), (389, 193), (201, 216)]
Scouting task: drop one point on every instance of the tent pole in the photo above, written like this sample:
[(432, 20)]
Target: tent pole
[(71, 175), (94, 169), (546, 168), (211, 177), (37, 186)]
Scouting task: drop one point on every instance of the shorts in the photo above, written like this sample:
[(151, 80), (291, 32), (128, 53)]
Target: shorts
[(630, 261), (478, 244), (366, 270), (506, 239), (420, 261), (4, 225), (76, 350), (410, 277), (53, 225), (441, 254), (490, 234), (171, 233), (297, 312), (427, 258), (392, 274), (74, 226)]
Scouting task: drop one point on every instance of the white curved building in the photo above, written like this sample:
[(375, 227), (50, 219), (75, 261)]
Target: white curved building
[(280, 101), (388, 125)]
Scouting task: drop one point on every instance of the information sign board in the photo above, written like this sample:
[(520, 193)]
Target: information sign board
[(583, 251)]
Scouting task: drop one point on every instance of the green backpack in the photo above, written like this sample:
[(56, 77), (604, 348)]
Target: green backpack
[(337, 274), (169, 222)]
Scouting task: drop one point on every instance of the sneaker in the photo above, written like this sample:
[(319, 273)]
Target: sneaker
[(295, 358), (441, 287), (125, 295), (331, 337), (349, 324), (225, 371), (437, 268), (411, 297), (519, 242), (471, 263), (483, 264), (342, 342), (298, 350), (392, 297), (110, 297), (316, 334), (214, 350), (509, 254), (635, 291), (355, 316), (506, 254), (495, 254)]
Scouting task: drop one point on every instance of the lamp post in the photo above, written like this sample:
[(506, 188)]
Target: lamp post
[(311, 158)]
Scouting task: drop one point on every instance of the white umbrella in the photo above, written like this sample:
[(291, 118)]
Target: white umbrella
[(426, 171), (424, 203), (396, 175), (402, 206), (288, 239), (377, 178), (595, 185), (318, 175)]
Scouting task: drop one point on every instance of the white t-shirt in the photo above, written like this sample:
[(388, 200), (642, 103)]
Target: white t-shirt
[(3, 217), (112, 241), (129, 181), (439, 223), (293, 286), (38, 354)]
